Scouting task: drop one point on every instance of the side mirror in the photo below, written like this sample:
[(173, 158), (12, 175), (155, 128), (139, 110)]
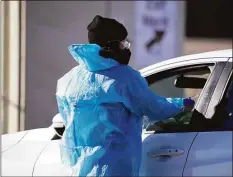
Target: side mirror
[(190, 82), (57, 121), (58, 126)]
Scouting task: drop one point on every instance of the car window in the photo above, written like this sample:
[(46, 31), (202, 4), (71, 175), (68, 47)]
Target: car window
[(165, 86)]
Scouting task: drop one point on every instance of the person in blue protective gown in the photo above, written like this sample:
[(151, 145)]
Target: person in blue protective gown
[(102, 102)]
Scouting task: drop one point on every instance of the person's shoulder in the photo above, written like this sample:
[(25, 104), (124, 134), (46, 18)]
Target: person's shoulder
[(135, 74), (127, 75), (67, 76), (128, 71)]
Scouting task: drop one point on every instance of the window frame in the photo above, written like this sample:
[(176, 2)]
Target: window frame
[(175, 71), (220, 89), (220, 92)]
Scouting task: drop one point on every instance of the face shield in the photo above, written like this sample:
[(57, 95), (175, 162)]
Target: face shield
[(124, 45)]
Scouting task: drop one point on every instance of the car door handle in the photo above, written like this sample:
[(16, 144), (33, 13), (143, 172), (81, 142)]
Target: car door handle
[(165, 153)]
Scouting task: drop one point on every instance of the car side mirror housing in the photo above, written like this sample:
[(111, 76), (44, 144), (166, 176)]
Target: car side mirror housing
[(189, 82), (58, 126)]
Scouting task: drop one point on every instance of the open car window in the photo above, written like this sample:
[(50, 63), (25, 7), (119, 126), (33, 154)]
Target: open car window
[(181, 83)]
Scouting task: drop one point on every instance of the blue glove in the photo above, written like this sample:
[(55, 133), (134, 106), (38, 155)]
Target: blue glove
[(188, 102)]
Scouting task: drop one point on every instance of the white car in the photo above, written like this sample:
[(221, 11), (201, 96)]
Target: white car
[(179, 146)]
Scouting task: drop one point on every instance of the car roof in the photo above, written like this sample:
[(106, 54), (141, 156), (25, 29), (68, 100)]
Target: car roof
[(218, 55)]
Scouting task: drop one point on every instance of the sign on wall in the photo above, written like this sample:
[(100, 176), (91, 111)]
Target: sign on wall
[(159, 31)]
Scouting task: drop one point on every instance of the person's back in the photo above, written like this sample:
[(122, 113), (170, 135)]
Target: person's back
[(102, 103), (99, 118)]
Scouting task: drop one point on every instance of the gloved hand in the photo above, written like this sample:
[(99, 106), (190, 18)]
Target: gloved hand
[(188, 104)]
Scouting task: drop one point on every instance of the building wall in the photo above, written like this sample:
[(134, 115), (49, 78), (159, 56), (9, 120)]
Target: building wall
[(124, 11), (51, 27), (198, 45)]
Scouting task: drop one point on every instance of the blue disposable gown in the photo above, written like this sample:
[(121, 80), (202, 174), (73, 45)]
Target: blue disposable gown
[(102, 104)]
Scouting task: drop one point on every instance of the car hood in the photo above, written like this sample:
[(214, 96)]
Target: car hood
[(21, 150), (9, 140)]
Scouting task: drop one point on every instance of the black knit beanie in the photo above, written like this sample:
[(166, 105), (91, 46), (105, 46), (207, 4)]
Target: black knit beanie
[(102, 30)]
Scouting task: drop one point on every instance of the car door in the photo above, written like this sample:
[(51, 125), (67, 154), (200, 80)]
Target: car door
[(211, 152), (166, 146)]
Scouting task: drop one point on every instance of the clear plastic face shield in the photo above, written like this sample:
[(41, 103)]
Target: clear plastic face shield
[(124, 45)]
